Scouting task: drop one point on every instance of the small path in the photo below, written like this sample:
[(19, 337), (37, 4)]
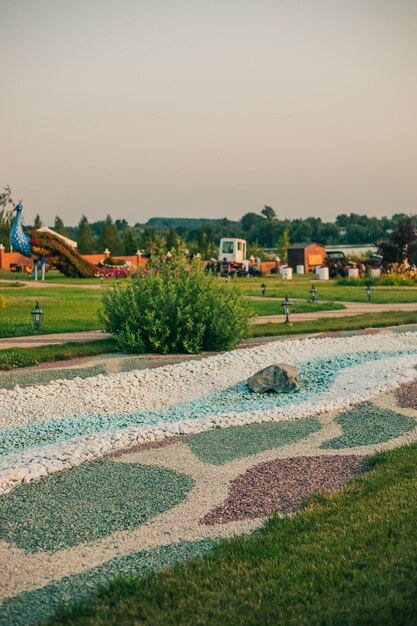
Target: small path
[(44, 284)]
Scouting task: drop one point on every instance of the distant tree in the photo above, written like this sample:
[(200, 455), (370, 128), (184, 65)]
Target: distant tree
[(249, 221), (173, 241), (59, 227), (401, 245), (110, 238), (283, 245), (269, 213), (130, 241), (6, 216), (205, 243), (301, 231), (152, 241), (355, 233), (38, 222), (329, 233), (86, 241), (120, 224)]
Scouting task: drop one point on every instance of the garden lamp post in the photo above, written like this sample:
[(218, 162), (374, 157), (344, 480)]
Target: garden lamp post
[(263, 288), (369, 289), (286, 309), (313, 293), (37, 315)]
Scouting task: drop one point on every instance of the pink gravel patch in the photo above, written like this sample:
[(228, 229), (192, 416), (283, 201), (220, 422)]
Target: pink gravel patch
[(406, 396), (283, 485)]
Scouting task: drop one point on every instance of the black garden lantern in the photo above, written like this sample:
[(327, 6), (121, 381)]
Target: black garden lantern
[(37, 315), (286, 309), (369, 288), (313, 293), (263, 288)]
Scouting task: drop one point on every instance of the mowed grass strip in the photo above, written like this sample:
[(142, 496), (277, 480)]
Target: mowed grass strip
[(347, 558), (271, 307), (327, 290), (321, 325), (13, 358)]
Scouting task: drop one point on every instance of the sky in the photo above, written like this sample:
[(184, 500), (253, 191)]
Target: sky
[(190, 108)]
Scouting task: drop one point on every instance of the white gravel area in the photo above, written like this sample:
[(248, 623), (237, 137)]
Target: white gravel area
[(169, 385), (166, 386)]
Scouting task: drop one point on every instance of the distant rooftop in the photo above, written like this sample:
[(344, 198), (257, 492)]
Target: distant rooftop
[(305, 244)]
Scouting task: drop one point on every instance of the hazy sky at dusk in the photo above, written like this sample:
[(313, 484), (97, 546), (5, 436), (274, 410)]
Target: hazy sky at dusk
[(209, 109)]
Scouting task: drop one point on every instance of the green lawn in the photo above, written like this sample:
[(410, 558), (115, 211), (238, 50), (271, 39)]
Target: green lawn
[(71, 309), (299, 288), (356, 322), (348, 558), (65, 310), (270, 307)]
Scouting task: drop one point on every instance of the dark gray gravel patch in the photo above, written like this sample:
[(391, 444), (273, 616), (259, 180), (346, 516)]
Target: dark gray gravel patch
[(283, 485)]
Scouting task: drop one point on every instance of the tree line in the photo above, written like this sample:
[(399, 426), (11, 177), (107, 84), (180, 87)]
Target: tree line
[(262, 230)]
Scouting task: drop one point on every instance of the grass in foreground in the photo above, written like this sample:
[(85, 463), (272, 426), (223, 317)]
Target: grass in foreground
[(13, 358), (354, 322), (348, 558)]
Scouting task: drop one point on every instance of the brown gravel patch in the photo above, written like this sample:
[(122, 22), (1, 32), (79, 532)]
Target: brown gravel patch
[(283, 485), (141, 447), (406, 396)]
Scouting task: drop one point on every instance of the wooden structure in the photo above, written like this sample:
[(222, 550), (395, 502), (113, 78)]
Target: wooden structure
[(308, 254)]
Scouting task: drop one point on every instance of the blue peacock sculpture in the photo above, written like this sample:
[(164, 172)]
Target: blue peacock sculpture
[(43, 245)]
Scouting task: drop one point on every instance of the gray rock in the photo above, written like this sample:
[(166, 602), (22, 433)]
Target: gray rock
[(281, 378)]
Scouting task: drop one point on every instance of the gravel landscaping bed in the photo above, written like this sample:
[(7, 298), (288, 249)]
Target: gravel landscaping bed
[(48, 428), (126, 472), (283, 485)]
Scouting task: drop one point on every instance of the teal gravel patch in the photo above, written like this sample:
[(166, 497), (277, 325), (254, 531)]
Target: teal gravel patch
[(316, 377), (88, 502), (32, 606), (369, 424), (45, 376), (223, 445)]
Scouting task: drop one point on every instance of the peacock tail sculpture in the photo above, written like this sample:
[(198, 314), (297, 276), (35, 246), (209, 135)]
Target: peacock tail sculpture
[(43, 245)]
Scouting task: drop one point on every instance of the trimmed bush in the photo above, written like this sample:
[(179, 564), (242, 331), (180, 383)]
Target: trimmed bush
[(175, 308)]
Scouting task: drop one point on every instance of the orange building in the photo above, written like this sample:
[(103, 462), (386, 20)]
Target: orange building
[(308, 254)]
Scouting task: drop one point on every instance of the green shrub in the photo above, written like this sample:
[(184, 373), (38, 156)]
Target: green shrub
[(111, 261), (172, 308), (385, 280)]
